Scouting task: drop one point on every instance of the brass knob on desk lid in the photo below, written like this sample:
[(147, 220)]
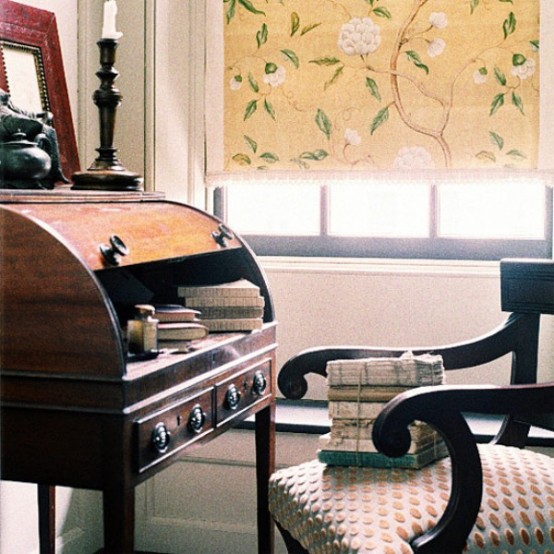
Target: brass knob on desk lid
[(161, 437), (259, 384), (232, 397), (197, 418), (112, 252), (222, 234)]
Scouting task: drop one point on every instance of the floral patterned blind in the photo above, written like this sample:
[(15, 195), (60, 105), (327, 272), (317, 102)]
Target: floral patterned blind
[(380, 84)]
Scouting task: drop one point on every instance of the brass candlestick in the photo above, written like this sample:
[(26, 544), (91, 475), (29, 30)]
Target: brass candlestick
[(106, 172)]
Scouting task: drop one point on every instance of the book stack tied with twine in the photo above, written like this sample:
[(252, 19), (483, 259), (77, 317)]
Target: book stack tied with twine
[(177, 325), (357, 392), (226, 307)]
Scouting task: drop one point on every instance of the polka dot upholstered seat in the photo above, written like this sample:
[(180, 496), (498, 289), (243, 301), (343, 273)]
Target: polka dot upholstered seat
[(379, 511)]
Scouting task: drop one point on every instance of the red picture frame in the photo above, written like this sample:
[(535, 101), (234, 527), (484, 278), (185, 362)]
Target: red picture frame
[(35, 30)]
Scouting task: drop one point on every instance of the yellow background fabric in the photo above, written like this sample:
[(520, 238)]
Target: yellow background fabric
[(382, 84)]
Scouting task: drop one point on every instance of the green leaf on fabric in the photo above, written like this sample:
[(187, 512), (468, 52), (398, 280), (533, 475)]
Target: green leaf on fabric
[(261, 35), (251, 143), (497, 103), (309, 28), (246, 4), (290, 55), (269, 108), (500, 77), (325, 61), (382, 12), (518, 59), (251, 107), (497, 139), (270, 157), (509, 25), (242, 159), (373, 88), (323, 123), (379, 119), (413, 56), (517, 102), (517, 154), (486, 156), (294, 23), (316, 155), (334, 78)]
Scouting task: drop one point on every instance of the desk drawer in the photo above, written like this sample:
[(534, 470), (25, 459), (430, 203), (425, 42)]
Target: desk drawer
[(168, 431), (242, 390)]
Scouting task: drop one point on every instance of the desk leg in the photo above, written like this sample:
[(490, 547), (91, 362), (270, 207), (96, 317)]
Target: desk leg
[(47, 518), (265, 466), (119, 521)]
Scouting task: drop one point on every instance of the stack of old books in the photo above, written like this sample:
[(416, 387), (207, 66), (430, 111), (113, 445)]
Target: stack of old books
[(178, 325), (226, 307), (357, 392)]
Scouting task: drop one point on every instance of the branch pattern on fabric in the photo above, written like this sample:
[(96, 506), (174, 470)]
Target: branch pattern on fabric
[(377, 84)]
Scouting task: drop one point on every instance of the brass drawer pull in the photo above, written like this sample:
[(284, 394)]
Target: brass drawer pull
[(197, 419), (259, 384), (114, 251), (223, 234), (161, 438)]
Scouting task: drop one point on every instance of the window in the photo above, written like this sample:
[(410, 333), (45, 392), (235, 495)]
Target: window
[(509, 217), (376, 131)]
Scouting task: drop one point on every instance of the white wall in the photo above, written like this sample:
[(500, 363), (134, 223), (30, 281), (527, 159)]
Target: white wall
[(317, 302)]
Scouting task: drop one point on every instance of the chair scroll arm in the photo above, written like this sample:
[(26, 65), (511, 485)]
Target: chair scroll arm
[(441, 407), (291, 380), (517, 334)]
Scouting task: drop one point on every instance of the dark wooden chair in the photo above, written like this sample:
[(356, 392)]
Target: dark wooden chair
[(493, 497)]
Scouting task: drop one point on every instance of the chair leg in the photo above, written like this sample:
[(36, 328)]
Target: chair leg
[(293, 546), (47, 519)]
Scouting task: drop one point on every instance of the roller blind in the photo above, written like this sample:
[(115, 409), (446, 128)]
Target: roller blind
[(372, 85)]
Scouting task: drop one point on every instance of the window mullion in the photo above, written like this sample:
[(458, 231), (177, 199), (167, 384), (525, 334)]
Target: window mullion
[(324, 210)]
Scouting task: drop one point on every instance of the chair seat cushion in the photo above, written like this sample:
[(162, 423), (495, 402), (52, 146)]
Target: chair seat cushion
[(363, 509)]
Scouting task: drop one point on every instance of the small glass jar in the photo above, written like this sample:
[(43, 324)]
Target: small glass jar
[(142, 331)]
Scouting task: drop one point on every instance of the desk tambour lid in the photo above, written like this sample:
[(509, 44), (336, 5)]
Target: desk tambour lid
[(56, 316)]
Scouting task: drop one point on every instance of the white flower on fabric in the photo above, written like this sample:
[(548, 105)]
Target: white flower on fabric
[(413, 157), (236, 82), (359, 37), (436, 47), (480, 76), (438, 20), (276, 78), (525, 70), (351, 136)]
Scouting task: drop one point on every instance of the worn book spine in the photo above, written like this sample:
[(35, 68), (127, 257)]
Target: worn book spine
[(364, 393), (368, 375), (184, 331), (231, 312), (201, 303), (355, 410), (363, 429), (169, 313), (376, 459), (242, 287), (340, 444), (407, 370), (223, 325)]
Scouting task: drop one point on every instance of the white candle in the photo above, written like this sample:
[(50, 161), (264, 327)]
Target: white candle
[(110, 12)]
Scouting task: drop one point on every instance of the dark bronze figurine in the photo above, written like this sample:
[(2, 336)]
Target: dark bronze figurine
[(29, 154)]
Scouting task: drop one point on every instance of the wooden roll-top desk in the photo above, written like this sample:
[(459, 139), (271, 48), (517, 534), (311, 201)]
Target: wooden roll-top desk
[(76, 410)]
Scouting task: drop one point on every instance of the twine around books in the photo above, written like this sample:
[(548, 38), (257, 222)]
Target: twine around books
[(358, 390)]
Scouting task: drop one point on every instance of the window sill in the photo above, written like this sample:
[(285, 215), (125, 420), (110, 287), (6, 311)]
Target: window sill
[(311, 417), (374, 266)]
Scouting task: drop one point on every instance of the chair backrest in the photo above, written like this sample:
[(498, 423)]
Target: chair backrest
[(527, 289)]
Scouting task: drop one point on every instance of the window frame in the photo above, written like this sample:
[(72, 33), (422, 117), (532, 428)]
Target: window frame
[(431, 247)]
